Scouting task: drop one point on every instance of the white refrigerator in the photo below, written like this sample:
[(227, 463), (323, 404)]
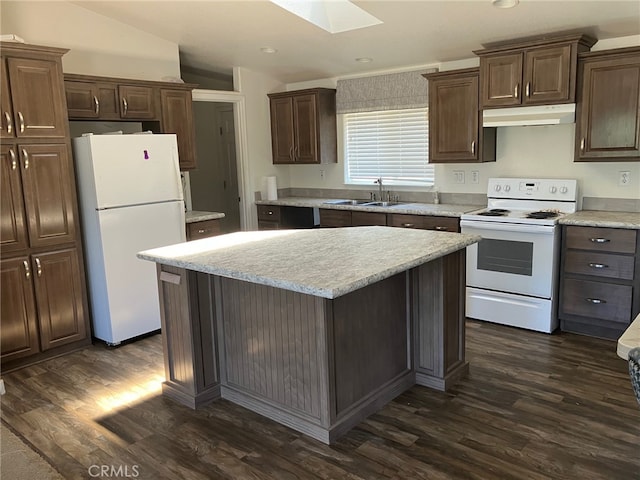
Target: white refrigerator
[(130, 196)]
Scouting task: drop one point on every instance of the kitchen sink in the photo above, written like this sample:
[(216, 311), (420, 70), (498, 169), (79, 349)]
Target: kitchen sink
[(348, 202), (382, 204)]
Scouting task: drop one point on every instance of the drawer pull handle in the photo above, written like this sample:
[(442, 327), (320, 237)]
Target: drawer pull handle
[(269, 212), (27, 270), (201, 231), (473, 147), (21, 120), (600, 240), (441, 229), (38, 267), (25, 157), (408, 225), (595, 301), (125, 106), (515, 91), (96, 104), (598, 265), (527, 89)]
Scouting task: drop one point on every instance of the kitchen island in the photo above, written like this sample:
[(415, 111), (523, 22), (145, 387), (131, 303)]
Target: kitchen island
[(315, 329)]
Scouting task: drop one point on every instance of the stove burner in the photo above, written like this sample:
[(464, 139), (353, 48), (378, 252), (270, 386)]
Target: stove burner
[(542, 214), (494, 212)]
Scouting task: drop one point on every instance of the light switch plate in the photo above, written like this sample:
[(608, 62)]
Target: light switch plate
[(458, 176)]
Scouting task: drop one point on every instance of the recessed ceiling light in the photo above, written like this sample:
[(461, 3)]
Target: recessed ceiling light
[(504, 3), (268, 50), (364, 59)]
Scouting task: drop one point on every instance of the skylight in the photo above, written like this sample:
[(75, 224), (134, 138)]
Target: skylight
[(334, 16)]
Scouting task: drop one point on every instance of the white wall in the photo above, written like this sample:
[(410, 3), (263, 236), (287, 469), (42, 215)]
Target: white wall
[(255, 86), (98, 45)]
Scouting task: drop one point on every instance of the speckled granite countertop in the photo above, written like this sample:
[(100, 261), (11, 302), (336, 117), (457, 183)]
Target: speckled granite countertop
[(597, 218), (440, 210), (629, 339), (198, 216), (327, 263)]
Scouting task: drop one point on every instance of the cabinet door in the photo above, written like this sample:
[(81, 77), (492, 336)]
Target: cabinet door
[(48, 193), (305, 128), (13, 232), (454, 119), (547, 75), (177, 117), (500, 84), (37, 94), (6, 122), (137, 103), (18, 332), (608, 116), (83, 100), (282, 134), (58, 287)]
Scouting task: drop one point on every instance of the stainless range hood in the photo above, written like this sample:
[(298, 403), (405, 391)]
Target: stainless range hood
[(523, 116)]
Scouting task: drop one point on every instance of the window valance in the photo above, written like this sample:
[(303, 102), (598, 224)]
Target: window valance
[(393, 91)]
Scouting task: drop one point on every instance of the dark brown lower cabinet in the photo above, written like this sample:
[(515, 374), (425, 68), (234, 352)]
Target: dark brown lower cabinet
[(600, 280), (42, 303), (19, 323), (58, 289)]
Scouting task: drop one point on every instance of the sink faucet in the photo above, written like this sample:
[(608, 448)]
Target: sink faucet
[(380, 188)]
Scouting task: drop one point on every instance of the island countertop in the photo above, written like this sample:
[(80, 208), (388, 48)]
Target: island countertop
[(327, 263)]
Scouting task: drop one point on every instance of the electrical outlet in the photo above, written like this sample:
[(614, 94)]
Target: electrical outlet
[(458, 176), (625, 178), (475, 176)]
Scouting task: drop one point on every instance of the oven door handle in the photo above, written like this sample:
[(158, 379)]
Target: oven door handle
[(508, 227)]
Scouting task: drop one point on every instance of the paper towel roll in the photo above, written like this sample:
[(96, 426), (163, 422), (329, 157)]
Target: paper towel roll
[(272, 188)]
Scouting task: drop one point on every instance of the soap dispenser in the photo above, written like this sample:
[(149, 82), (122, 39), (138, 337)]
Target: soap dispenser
[(436, 196)]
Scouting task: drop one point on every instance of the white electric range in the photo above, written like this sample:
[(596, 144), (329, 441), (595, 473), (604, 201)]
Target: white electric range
[(512, 273)]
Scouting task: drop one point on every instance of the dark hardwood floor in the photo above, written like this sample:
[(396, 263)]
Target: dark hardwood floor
[(534, 406)]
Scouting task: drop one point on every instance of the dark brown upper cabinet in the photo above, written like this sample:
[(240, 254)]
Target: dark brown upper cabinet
[(538, 71), (177, 117), (163, 107), (303, 126), (455, 120), (31, 99), (109, 99), (608, 109)]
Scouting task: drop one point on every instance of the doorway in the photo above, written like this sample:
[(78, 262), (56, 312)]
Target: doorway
[(218, 184), (214, 184)]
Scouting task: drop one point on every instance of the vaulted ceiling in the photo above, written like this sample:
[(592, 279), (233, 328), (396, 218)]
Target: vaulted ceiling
[(217, 35)]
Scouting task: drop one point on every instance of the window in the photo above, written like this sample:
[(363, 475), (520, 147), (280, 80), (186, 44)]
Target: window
[(388, 144)]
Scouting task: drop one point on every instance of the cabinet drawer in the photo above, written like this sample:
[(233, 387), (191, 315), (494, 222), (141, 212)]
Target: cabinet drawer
[(425, 222), (335, 218), (443, 224), (268, 213), (206, 228), (368, 218), (599, 264), (601, 239), (604, 301)]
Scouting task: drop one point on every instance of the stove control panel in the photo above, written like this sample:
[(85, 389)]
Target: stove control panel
[(536, 189)]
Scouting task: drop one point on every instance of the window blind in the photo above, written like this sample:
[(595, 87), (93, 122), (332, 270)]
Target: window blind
[(388, 144)]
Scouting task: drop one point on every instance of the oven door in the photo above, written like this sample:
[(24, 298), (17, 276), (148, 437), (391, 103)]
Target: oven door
[(513, 258)]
